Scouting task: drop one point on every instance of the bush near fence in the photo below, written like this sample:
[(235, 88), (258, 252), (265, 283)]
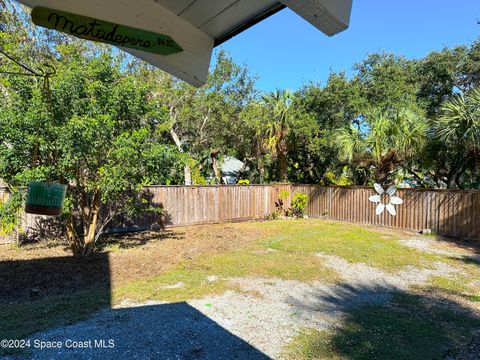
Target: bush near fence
[(454, 213)]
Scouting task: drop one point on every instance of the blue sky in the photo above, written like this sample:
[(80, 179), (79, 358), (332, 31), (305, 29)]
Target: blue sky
[(285, 51)]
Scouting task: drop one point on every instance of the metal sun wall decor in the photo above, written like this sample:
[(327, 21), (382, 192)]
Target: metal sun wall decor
[(385, 199)]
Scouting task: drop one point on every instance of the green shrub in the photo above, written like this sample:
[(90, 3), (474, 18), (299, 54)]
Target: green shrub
[(298, 207), (10, 212)]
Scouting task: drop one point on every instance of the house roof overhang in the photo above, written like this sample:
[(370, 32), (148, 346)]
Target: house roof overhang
[(199, 25)]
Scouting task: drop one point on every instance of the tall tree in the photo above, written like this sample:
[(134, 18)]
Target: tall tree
[(279, 112), (203, 122), (457, 129), (384, 80), (95, 132), (383, 144), (332, 106), (443, 73)]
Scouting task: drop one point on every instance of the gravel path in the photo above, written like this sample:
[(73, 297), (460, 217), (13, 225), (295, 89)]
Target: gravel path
[(428, 245), (255, 324), (363, 275), (435, 247)]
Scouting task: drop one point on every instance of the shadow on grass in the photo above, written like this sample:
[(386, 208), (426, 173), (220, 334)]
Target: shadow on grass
[(140, 238), (36, 294), (403, 326), (34, 279), (39, 293), (467, 259)]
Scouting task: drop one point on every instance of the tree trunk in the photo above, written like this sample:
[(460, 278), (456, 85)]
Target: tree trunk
[(186, 169), (84, 244), (91, 225), (282, 164), (454, 177), (72, 237), (216, 169), (187, 174)]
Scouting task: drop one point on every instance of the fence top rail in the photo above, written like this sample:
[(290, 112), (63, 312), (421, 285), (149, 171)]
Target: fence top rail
[(398, 188), (219, 185), (473, 191)]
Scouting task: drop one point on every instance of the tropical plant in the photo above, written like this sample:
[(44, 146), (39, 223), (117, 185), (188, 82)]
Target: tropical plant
[(459, 121), (383, 143), (279, 111), (281, 208), (298, 207), (458, 130)]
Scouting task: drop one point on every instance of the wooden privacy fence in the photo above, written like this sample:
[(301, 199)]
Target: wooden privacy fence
[(446, 212)]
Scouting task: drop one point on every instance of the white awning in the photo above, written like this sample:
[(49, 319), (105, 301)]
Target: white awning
[(199, 25)]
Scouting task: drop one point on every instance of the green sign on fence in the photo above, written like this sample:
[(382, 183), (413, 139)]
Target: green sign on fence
[(103, 31)]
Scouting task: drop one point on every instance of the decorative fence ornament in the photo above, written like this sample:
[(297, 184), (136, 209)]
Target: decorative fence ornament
[(385, 199)]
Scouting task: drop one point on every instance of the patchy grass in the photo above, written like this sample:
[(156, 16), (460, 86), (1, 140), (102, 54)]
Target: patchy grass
[(410, 327), (142, 268), (264, 262), (460, 285), (67, 290), (464, 285), (189, 279), (353, 243), (175, 285)]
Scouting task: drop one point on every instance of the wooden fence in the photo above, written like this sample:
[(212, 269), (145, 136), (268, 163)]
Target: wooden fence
[(453, 213)]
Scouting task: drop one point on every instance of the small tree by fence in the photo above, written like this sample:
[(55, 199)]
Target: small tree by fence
[(445, 212)]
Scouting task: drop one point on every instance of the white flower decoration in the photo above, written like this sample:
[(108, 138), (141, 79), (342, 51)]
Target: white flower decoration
[(381, 199)]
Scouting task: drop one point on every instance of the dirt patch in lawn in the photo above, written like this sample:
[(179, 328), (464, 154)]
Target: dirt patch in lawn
[(184, 243), (36, 271)]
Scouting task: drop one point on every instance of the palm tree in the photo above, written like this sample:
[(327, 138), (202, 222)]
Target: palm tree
[(458, 129), (385, 142), (279, 113)]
